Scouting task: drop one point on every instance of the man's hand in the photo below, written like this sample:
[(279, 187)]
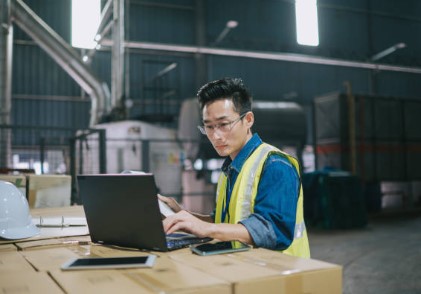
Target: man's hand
[(171, 203), (186, 222), (201, 225)]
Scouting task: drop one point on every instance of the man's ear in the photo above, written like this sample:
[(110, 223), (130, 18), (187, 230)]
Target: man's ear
[(249, 118)]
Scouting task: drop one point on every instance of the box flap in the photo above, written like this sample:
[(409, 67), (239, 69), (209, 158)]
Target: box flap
[(97, 281), (31, 282), (13, 262), (50, 258)]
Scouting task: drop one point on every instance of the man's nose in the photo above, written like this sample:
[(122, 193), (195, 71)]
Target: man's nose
[(216, 134)]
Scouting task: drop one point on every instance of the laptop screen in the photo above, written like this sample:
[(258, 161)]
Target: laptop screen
[(122, 209)]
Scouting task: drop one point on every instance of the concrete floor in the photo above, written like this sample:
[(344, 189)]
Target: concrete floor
[(384, 257)]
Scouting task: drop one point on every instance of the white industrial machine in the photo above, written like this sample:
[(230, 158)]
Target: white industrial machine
[(139, 146)]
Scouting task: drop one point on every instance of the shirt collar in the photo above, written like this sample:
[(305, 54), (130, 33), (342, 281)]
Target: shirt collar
[(242, 156)]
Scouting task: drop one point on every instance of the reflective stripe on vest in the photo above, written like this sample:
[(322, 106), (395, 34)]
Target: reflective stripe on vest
[(299, 230), (246, 205)]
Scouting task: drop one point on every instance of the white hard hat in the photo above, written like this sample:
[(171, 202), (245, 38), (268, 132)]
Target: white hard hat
[(15, 220)]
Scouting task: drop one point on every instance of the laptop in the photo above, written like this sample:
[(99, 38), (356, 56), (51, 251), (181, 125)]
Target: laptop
[(123, 210)]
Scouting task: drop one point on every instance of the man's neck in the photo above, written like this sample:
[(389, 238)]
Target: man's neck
[(248, 137)]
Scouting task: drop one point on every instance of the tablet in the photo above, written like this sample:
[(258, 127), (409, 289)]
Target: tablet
[(109, 262), (220, 247)]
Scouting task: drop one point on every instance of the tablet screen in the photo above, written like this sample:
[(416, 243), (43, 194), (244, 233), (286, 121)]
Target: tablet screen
[(110, 262)]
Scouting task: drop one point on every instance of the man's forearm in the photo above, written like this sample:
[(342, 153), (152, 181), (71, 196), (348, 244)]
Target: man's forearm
[(228, 232), (203, 217)]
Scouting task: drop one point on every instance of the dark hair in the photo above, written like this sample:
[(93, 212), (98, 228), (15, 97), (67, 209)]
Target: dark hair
[(226, 88)]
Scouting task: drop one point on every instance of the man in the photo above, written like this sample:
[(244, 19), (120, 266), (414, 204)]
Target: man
[(259, 194)]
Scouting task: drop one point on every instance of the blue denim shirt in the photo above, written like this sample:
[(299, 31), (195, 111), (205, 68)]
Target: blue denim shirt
[(273, 222)]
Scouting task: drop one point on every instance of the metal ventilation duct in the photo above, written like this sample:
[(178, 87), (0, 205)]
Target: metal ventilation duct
[(64, 55)]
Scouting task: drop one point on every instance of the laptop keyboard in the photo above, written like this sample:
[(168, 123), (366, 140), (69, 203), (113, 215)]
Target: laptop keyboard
[(173, 244)]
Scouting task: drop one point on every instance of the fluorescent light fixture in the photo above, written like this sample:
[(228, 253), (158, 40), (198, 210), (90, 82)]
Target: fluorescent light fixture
[(307, 22), (388, 51), (231, 24), (86, 15)]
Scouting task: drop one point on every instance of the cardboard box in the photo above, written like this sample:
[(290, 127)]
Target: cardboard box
[(97, 281), (13, 262), (166, 276), (170, 276), (51, 258), (42, 190), (7, 247), (32, 282), (18, 180), (80, 242), (242, 275), (304, 275), (266, 271), (68, 211), (48, 190), (108, 251)]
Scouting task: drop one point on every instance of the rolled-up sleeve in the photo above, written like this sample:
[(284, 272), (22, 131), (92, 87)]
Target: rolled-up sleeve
[(272, 224)]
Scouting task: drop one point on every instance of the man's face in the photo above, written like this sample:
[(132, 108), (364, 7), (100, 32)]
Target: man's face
[(227, 133)]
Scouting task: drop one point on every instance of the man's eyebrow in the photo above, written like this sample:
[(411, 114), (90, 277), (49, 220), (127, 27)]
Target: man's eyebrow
[(218, 119)]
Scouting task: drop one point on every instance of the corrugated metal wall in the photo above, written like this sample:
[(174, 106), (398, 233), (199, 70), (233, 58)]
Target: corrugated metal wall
[(42, 93), (161, 21), (352, 30)]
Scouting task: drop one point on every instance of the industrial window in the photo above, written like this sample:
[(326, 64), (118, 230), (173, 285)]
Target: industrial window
[(86, 15), (307, 22)]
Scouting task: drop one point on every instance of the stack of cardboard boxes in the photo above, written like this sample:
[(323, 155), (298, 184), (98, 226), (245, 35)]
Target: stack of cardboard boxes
[(256, 271), (33, 266), (42, 190)]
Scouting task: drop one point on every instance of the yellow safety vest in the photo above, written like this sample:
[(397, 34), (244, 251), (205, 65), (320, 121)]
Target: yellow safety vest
[(244, 194)]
